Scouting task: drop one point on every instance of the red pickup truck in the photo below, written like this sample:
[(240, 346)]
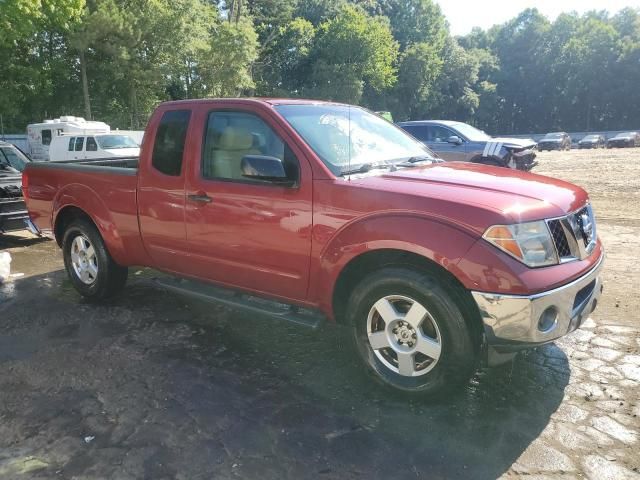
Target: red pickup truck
[(310, 211)]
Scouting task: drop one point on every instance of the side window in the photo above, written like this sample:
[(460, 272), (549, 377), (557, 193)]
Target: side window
[(169, 144), (232, 135), (438, 133), (79, 144), (72, 142), (418, 131), (46, 137), (92, 146)]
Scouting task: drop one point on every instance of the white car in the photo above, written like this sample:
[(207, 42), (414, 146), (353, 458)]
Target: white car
[(95, 146)]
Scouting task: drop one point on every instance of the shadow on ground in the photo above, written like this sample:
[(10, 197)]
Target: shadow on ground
[(8, 240), (153, 386)]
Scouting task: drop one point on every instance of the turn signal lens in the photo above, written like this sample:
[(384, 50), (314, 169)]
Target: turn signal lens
[(530, 242), (502, 237)]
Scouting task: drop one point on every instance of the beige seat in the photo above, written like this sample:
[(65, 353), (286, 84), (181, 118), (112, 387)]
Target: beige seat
[(234, 143)]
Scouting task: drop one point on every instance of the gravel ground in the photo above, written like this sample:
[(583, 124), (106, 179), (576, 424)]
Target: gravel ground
[(151, 386)]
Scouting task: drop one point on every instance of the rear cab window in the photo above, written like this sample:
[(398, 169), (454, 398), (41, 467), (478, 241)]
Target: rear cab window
[(79, 144), (72, 143), (168, 148)]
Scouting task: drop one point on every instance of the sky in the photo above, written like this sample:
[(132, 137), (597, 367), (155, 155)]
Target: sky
[(463, 15)]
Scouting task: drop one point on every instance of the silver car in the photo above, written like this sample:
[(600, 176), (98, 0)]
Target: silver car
[(457, 141)]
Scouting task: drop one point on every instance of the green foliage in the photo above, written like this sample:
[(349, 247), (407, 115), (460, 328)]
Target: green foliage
[(352, 51), (284, 63), (225, 68), (416, 21), (115, 60), (420, 68)]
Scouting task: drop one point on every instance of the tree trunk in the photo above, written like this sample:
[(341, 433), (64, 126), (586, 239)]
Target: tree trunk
[(85, 86), (134, 106), (230, 11)]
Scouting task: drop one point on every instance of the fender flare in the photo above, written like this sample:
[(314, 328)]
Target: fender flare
[(88, 201), (432, 238)]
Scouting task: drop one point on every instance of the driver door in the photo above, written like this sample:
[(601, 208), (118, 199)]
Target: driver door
[(241, 232)]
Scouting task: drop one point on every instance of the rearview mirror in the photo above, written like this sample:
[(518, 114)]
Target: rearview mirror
[(454, 139), (266, 168)]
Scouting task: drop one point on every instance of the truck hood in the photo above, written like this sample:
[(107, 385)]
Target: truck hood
[(512, 196), (515, 143)]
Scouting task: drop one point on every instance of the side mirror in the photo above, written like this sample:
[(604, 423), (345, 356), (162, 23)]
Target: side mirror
[(263, 167), (454, 139)]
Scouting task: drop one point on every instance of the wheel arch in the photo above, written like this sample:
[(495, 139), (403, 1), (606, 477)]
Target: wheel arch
[(366, 263), (80, 201), (65, 217)]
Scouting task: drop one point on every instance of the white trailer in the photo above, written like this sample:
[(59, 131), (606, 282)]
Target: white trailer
[(39, 135)]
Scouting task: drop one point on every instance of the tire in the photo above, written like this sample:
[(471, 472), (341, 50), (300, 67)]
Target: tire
[(92, 271), (428, 303), (491, 163)]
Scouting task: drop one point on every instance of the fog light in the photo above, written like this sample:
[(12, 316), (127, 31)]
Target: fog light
[(548, 319)]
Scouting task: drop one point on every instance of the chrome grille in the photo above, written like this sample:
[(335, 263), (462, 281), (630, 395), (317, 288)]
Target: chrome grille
[(559, 238), (574, 235), (583, 217)]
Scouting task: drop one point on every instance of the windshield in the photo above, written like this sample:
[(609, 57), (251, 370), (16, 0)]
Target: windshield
[(368, 140), (107, 142), (626, 134), (591, 137), (13, 157), (552, 136), (471, 133)]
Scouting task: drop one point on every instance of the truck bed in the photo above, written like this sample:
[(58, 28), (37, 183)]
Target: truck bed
[(13, 211), (105, 189)]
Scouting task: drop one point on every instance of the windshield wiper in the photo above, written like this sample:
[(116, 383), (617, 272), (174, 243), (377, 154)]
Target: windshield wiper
[(419, 158), (366, 167)]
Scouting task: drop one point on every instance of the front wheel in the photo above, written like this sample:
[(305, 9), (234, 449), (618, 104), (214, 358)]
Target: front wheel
[(411, 333), (92, 271)]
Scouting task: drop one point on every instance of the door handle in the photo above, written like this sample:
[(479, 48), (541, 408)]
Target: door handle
[(200, 198)]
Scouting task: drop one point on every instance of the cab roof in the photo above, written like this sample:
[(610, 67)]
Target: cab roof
[(254, 100)]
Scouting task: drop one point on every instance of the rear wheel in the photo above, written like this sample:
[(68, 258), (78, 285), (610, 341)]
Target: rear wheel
[(411, 333), (92, 271)]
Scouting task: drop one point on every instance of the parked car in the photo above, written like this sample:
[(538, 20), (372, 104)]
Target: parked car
[(87, 147), (555, 141), (592, 141), (626, 139), (13, 212), (457, 141), (310, 212)]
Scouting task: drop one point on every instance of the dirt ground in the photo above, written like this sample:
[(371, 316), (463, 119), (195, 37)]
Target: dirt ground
[(152, 386), (612, 178)]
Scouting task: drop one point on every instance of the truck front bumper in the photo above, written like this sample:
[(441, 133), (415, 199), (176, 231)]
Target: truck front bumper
[(514, 322)]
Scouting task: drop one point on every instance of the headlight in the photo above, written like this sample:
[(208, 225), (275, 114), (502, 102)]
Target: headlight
[(531, 243)]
